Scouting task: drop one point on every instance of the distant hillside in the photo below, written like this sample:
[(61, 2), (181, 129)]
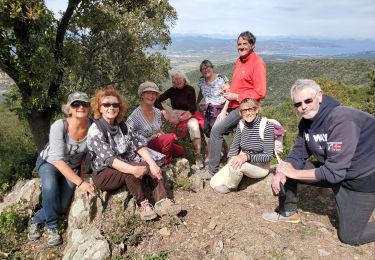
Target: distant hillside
[(186, 52), (281, 75)]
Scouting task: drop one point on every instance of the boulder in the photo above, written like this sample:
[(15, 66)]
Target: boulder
[(181, 168), (82, 210), (25, 196), (87, 243)]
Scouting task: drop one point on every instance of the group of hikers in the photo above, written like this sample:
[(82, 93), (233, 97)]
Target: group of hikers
[(129, 152)]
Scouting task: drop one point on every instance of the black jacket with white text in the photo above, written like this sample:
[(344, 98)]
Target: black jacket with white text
[(343, 140)]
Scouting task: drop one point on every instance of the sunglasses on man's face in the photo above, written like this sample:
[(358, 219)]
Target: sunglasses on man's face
[(114, 105), (77, 104), (306, 101)]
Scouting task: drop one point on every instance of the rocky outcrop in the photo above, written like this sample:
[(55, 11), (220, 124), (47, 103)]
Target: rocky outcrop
[(25, 196), (84, 239), (87, 243)]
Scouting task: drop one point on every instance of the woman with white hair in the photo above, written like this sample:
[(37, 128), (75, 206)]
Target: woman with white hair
[(147, 121), (184, 107)]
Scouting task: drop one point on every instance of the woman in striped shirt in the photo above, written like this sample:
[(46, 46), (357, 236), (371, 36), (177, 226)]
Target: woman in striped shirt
[(147, 121), (249, 154)]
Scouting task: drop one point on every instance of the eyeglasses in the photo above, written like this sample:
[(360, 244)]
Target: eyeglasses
[(77, 104), (206, 68), (114, 105), (306, 101), (249, 109)]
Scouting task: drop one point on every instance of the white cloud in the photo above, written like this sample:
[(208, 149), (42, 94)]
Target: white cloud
[(329, 18), (333, 18)]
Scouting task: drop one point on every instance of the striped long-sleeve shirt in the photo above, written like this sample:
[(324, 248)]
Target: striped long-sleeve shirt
[(142, 126), (249, 142)]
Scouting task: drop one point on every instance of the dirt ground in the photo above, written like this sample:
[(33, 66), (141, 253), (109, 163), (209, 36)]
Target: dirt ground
[(230, 226)]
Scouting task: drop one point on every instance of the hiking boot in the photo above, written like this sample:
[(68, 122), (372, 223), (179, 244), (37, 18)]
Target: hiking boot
[(146, 211), (167, 207), (223, 189), (35, 231), (205, 174), (277, 217), (54, 237)]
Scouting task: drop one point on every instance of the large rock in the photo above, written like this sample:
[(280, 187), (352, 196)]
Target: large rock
[(25, 196), (87, 243), (121, 198), (82, 211), (179, 169)]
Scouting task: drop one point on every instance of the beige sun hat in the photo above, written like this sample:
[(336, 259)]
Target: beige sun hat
[(148, 86)]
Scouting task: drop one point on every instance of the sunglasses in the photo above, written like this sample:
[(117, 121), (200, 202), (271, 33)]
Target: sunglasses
[(249, 109), (306, 101), (114, 105), (77, 104)]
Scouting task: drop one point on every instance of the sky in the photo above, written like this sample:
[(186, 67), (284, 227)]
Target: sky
[(311, 18)]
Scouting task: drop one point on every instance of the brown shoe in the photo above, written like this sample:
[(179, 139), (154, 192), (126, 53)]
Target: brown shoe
[(167, 207), (146, 211)]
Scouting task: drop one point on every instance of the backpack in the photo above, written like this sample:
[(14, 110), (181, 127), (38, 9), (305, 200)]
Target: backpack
[(278, 134)]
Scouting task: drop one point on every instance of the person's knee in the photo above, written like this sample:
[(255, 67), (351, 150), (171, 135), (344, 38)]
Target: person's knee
[(49, 184), (349, 238), (194, 131)]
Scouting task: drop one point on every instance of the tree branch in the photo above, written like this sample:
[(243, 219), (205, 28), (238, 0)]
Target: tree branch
[(59, 43)]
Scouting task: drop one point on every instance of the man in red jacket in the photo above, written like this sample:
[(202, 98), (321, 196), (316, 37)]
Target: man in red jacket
[(248, 81)]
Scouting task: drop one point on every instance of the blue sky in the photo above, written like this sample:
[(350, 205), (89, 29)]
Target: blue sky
[(315, 18)]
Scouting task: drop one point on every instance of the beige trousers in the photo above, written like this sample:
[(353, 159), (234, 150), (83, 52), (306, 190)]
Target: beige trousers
[(231, 178), (192, 125)]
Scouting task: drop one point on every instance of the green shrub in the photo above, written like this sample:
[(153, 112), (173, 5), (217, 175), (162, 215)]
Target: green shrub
[(12, 235), (17, 150), (159, 256)]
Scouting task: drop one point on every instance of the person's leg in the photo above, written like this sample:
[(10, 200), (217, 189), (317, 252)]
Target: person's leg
[(288, 203), (50, 179), (158, 189), (216, 138), (177, 150), (195, 134), (66, 194), (254, 171), (111, 179), (163, 205), (163, 144), (354, 210)]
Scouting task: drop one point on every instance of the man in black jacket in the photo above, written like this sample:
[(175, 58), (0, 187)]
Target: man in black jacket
[(342, 139)]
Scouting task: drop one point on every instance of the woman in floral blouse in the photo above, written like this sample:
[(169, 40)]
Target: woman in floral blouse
[(121, 157)]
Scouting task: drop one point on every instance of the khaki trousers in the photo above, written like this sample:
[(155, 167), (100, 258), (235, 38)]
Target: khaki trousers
[(231, 178)]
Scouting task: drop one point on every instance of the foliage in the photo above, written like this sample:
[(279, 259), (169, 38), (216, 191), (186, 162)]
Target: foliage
[(158, 256), (182, 183), (16, 148), (93, 43), (129, 230), (12, 235)]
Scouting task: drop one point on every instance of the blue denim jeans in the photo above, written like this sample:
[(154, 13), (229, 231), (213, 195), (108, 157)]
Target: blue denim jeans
[(57, 193), (218, 131)]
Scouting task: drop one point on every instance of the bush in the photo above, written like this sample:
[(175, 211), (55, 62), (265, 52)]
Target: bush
[(12, 235), (17, 150)]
